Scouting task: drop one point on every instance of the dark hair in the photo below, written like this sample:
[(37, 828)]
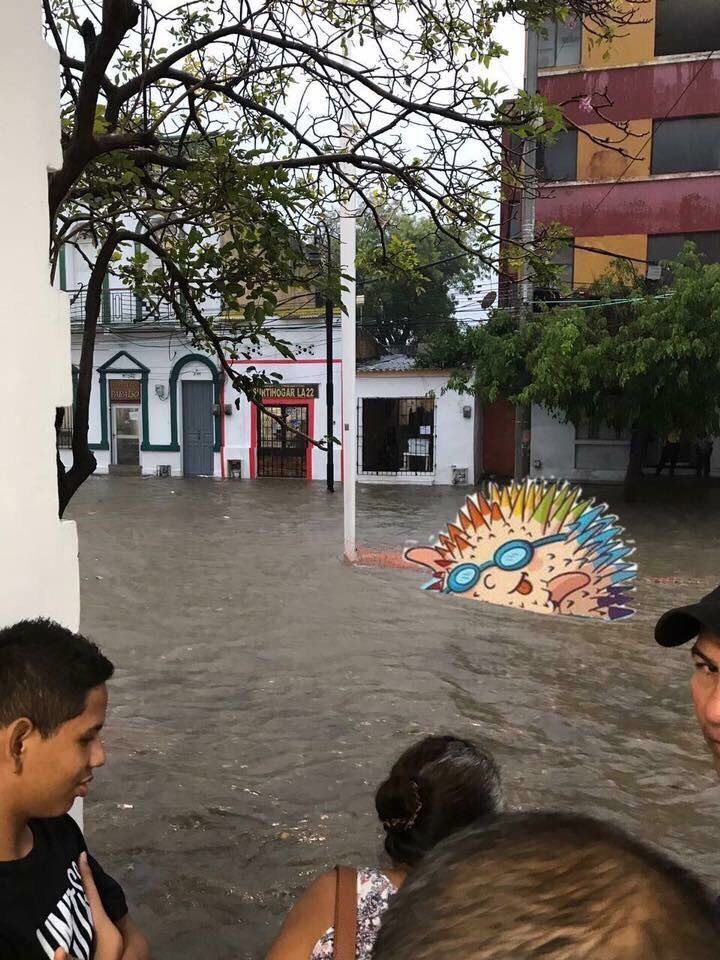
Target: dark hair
[(46, 673), (438, 786), (553, 886)]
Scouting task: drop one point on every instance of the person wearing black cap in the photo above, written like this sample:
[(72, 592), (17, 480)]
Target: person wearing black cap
[(699, 622)]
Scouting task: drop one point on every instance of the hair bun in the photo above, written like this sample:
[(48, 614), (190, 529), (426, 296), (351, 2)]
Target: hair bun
[(398, 803)]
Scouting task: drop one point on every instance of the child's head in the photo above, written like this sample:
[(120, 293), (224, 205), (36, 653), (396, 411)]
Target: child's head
[(554, 886), (438, 786), (52, 707)]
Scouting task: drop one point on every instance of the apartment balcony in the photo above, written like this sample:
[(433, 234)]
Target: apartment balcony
[(121, 307)]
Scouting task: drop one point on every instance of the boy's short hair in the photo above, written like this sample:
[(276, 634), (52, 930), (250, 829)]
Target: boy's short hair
[(550, 886), (46, 673)]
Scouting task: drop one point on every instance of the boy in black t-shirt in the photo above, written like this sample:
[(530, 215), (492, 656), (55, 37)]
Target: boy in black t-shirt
[(55, 900)]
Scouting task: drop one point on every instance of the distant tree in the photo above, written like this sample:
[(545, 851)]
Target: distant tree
[(637, 357), (410, 284)]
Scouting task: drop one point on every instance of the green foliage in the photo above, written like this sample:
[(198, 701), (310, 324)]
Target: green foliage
[(410, 286), (639, 357), (206, 141)]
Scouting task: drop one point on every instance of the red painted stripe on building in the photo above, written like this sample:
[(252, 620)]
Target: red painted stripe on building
[(222, 428), (640, 93), (678, 205)]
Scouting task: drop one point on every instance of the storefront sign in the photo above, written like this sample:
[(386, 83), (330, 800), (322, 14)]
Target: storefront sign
[(124, 391), (289, 391)]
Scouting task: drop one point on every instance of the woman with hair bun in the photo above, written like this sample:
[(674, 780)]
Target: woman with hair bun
[(438, 786)]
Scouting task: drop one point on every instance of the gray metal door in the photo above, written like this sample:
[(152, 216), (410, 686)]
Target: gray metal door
[(198, 428)]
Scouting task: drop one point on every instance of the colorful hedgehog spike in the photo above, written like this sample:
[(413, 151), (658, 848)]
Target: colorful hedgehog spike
[(534, 545)]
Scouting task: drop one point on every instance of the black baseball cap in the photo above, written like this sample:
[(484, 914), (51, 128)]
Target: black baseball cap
[(684, 623)]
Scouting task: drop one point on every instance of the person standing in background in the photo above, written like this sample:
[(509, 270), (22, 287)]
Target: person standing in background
[(670, 451)]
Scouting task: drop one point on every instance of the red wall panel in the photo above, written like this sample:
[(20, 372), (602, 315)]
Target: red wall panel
[(640, 93), (676, 205)]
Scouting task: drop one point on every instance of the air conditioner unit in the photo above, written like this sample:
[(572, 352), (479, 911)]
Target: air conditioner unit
[(164, 470), (459, 476)]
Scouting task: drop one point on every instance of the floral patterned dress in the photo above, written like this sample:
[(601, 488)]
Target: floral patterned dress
[(374, 890)]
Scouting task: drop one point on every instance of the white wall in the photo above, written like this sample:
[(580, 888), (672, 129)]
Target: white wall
[(454, 435), (554, 445), (38, 553)]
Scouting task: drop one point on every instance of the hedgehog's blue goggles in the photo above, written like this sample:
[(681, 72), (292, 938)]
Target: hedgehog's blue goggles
[(513, 555)]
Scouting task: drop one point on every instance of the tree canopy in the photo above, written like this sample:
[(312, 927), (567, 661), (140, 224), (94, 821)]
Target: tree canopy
[(203, 143), (636, 355), (410, 287)]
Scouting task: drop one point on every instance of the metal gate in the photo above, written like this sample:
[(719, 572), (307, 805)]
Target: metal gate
[(396, 435), (282, 453), (198, 428)]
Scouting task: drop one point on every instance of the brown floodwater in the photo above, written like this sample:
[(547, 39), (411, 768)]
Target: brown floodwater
[(263, 688)]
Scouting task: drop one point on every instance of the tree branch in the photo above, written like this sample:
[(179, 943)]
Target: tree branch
[(119, 16), (180, 279)]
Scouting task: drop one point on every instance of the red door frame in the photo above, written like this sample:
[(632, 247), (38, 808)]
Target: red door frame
[(272, 402)]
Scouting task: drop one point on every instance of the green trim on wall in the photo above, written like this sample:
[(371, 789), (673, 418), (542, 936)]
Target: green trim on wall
[(108, 367), (146, 446), (174, 376)]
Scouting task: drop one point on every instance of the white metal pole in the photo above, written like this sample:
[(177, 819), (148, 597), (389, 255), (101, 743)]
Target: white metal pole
[(523, 414), (349, 435)]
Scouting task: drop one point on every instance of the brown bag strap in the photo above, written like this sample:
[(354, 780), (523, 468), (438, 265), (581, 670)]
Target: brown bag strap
[(345, 934)]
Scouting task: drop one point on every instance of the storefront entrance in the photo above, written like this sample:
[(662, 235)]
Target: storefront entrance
[(125, 435), (280, 452), (198, 428)]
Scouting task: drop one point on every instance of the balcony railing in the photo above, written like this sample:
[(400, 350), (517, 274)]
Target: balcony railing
[(122, 307)]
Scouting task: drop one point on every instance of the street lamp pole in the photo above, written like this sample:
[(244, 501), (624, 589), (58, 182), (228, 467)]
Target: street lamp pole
[(349, 436), (329, 386)]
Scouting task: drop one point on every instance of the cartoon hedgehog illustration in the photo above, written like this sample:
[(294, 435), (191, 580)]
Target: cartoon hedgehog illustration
[(535, 546)]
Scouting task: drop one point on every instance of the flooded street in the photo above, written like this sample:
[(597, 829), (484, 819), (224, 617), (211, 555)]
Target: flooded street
[(263, 688)]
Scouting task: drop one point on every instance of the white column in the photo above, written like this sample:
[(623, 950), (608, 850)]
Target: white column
[(348, 224), (38, 552)]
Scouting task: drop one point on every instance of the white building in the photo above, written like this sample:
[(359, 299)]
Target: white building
[(38, 557), (410, 428), (158, 407)]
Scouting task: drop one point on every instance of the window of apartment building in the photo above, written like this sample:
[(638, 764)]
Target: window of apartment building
[(558, 161), (669, 246), (514, 227), (686, 26), (687, 145), (559, 43)]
